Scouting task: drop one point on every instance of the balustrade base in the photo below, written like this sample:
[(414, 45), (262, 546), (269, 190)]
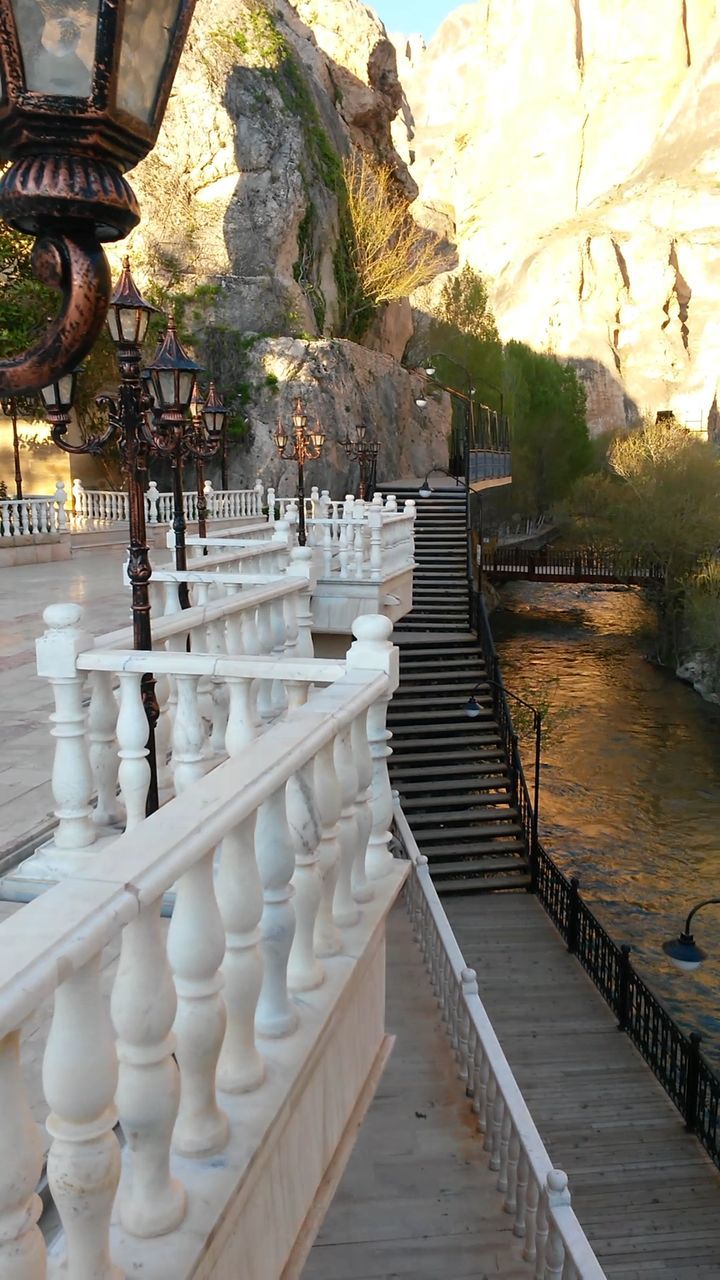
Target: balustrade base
[(42, 548), (49, 864), (337, 602), (256, 1207)]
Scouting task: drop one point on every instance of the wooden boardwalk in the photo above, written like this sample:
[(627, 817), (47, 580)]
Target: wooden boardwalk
[(645, 1192), (417, 1198)]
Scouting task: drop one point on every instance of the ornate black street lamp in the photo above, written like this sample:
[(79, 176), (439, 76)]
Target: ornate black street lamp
[(365, 453), (128, 318), (683, 950), (213, 415), (83, 90), (173, 375), (302, 446)]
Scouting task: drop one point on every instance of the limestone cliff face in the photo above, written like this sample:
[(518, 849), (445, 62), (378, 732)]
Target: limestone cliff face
[(577, 142), (241, 216)]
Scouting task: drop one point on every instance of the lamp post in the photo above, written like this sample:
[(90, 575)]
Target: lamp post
[(128, 317), (683, 950), (365, 453), (301, 446), (81, 102), (213, 414), (9, 407)]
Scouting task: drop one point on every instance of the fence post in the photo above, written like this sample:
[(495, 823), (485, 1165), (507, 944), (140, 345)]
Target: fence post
[(60, 523), (573, 905), (691, 1082), (151, 499), (623, 996), (258, 490)]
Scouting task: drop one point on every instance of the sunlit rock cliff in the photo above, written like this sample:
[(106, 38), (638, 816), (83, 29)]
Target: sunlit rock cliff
[(576, 144), (242, 228)]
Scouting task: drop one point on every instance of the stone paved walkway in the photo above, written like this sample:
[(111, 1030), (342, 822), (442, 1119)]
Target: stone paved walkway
[(90, 578)]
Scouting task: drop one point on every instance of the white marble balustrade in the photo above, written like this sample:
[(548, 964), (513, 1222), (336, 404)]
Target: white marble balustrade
[(98, 508), (248, 849), (34, 517), (536, 1194)]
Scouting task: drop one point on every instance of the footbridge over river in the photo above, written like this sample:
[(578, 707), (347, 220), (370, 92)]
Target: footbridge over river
[(579, 564)]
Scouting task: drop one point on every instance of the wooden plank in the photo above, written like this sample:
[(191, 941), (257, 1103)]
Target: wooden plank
[(646, 1193)]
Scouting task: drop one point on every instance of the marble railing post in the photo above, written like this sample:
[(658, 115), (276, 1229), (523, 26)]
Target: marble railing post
[(276, 862), (72, 781), (61, 520), (258, 500), (271, 505), (80, 511), (373, 651), (376, 542), (22, 1249), (79, 1081), (301, 566), (151, 502)]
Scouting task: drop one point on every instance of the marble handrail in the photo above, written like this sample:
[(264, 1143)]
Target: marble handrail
[(102, 507), (266, 855), (536, 1193)]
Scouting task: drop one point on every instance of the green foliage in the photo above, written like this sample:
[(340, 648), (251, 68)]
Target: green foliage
[(702, 617), (660, 500), (464, 331), (258, 40), (25, 304), (550, 443)]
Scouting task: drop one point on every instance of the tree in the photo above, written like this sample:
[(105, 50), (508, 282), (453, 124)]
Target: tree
[(660, 499), (391, 254), (550, 441), (25, 303), (463, 330)]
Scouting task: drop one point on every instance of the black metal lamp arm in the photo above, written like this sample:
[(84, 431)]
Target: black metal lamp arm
[(705, 903)]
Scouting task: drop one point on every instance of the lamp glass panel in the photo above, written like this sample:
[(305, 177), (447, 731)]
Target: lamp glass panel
[(164, 387), (57, 40), (49, 395), (186, 386), (213, 423), (129, 326), (147, 40), (281, 439), (66, 389), (113, 324)]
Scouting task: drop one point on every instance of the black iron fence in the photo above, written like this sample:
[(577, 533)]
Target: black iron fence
[(674, 1057), (582, 564)]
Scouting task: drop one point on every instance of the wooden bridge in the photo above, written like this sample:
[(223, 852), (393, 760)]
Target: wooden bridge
[(581, 564)]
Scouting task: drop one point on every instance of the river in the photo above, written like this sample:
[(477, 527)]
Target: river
[(630, 798)]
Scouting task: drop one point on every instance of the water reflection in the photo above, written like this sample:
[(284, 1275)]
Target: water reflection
[(631, 783)]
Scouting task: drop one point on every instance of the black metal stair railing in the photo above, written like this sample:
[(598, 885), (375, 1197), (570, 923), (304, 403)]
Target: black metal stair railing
[(674, 1057)]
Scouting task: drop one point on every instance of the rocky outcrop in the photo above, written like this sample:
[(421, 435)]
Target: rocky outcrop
[(241, 191), (578, 144), (342, 385)]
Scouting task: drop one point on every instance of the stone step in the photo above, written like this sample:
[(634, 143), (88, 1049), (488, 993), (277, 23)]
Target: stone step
[(462, 728), (447, 850), (488, 789), (465, 748), (484, 884), (476, 865), (442, 702), (459, 764), (490, 813), (443, 719), (480, 831)]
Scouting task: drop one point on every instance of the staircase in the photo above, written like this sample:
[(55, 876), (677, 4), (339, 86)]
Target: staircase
[(450, 771)]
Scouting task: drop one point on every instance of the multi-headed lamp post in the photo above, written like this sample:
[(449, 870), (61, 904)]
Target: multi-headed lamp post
[(301, 446), (83, 90), (365, 453), (173, 435)]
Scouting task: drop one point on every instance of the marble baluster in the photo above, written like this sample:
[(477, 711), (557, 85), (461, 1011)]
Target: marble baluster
[(102, 716), (304, 970), (373, 651), (240, 895), (362, 891), (72, 781), (143, 1010), (328, 941), (301, 566), (132, 735), (83, 1164), (276, 1016), (22, 1248), (196, 946), (345, 908)]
